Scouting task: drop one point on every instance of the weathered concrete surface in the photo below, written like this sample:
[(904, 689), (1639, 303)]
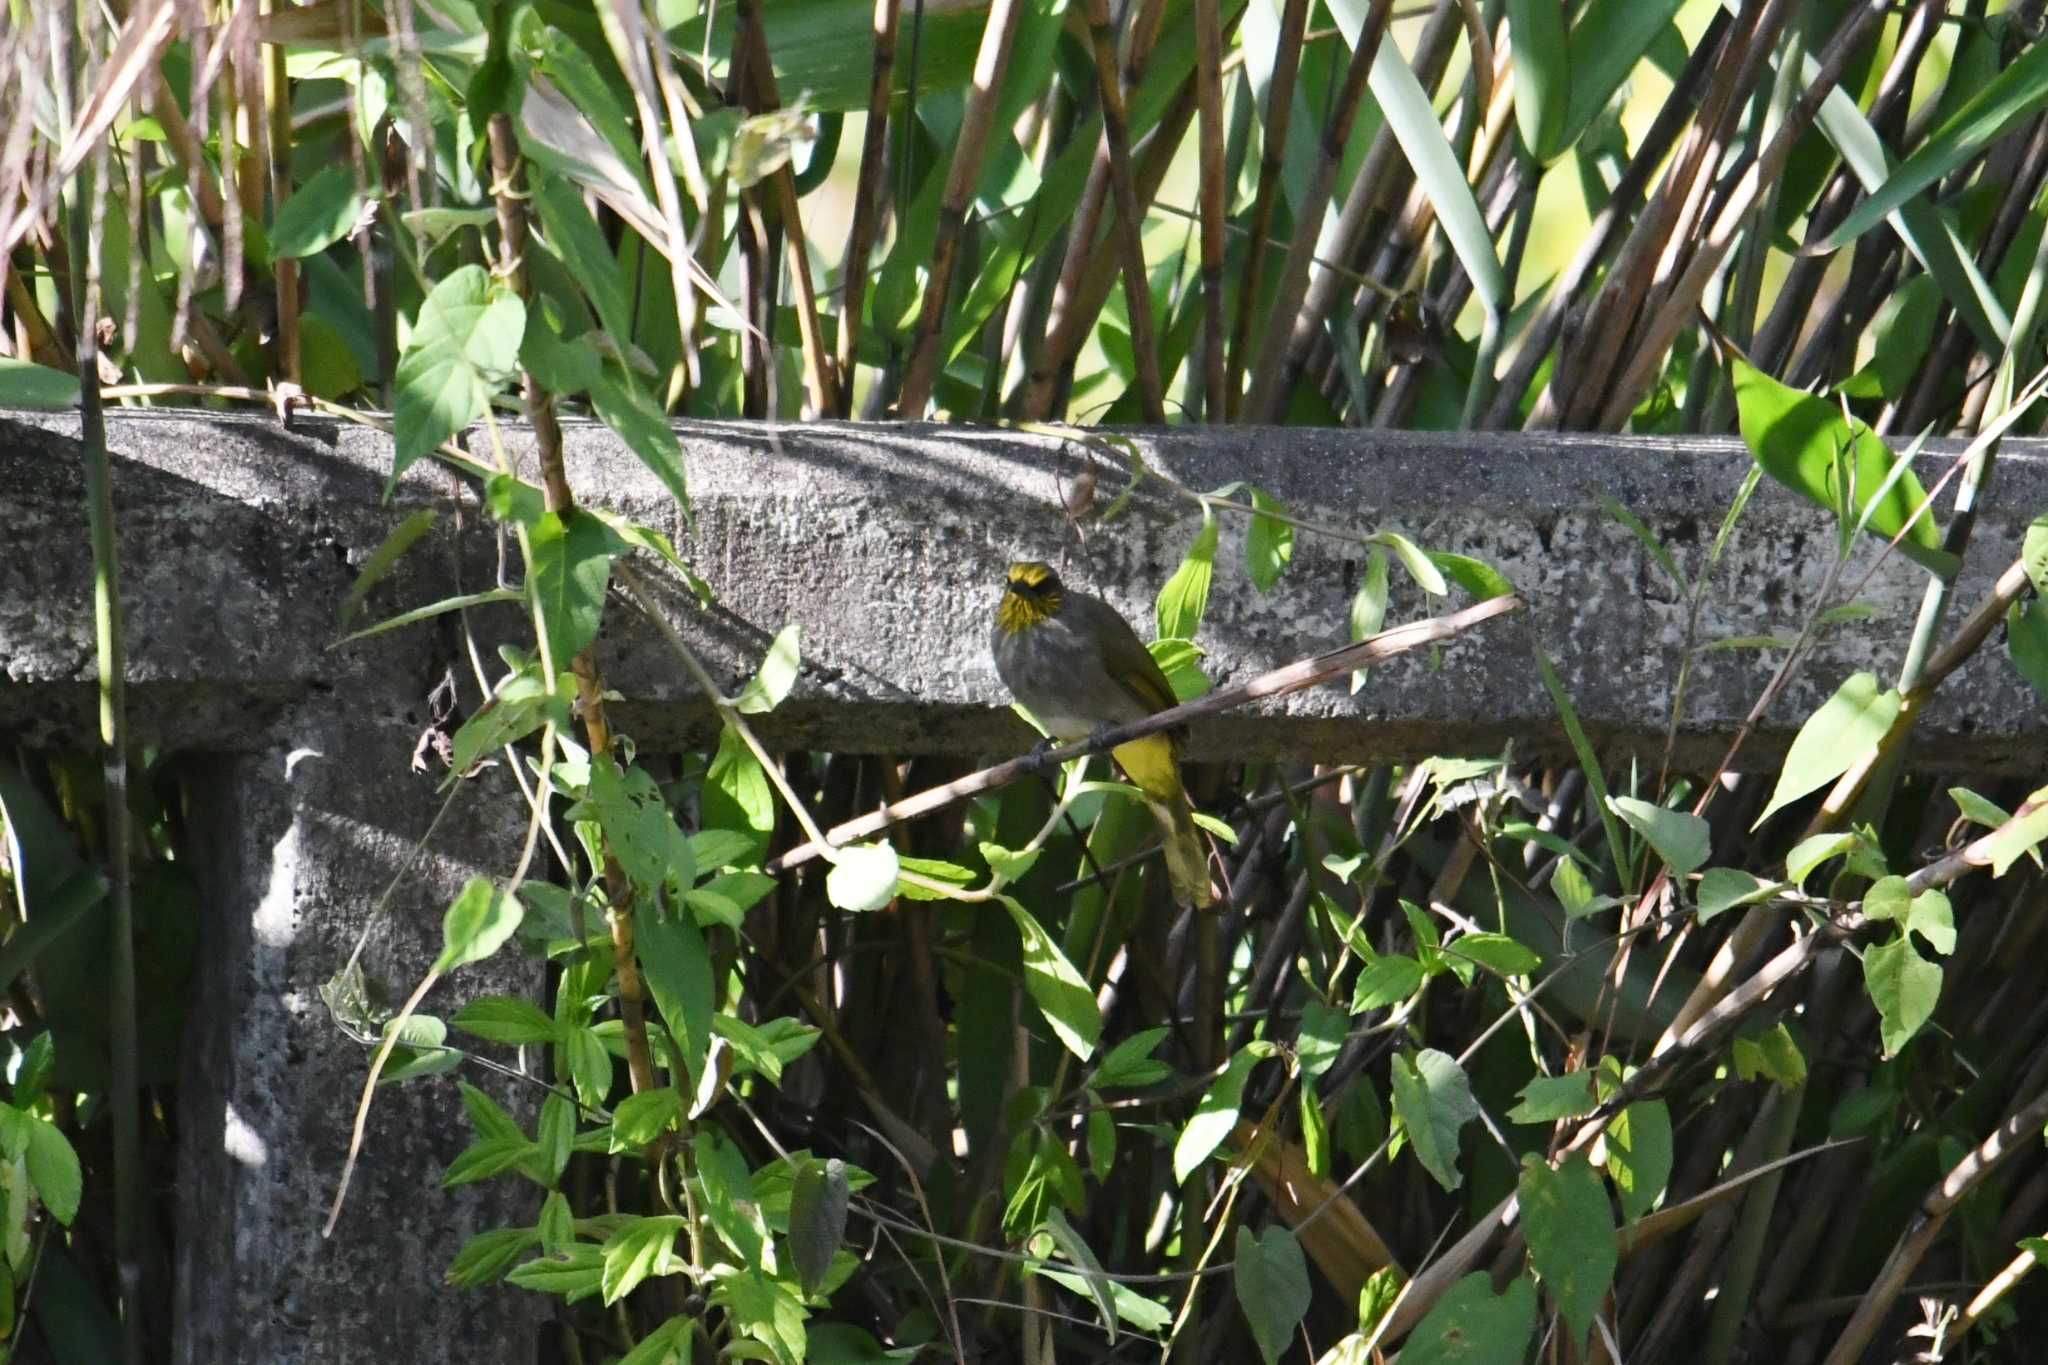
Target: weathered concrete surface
[(295, 843), (886, 544), (239, 541)]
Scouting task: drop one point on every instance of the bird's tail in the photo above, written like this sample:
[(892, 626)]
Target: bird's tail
[(1187, 862)]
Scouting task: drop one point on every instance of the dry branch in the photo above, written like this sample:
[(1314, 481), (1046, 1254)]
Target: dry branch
[(1281, 682)]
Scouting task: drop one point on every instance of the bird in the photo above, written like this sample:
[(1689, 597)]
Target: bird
[(1074, 662)]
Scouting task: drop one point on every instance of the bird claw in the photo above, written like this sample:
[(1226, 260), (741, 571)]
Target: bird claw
[(1038, 760)]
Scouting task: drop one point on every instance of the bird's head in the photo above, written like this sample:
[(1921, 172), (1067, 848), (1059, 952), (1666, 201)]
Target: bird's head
[(1031, 596)]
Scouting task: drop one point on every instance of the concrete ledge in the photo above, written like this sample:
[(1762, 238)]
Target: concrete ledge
[(886, 544)]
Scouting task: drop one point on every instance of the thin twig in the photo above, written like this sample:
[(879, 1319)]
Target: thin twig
[(1280, 682)]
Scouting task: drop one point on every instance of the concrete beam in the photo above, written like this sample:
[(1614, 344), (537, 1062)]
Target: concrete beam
[(886, 544)]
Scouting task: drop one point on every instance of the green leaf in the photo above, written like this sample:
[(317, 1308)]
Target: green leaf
[(1803, 442), (1470, 1325), (679, 976), (1543, 85), (1771, 1054), (1134, 1308), (1639, 1155), (667, 1344), (555, 1135), (1475, 576), (1440, 172), (2015, 94), (1186, 595), (507, 1019), (319, 213), (863, 877), (640, 1119), (1808, 854), (1571, 1236), (570, 567), (1215, 1116), (1434, 1101), (1130, 1063), (643, 426), (575, 1274), (1181, 662), (1728, 888), (521, 705), (1269, 544), (1386, 981), (487, 1157), (1575, 891), (485, 1114), (1272, 1287), (1582, 747), (1496, 952), (563, 368), (643, 1247), (479, 920), (2034, 553), (24, 384), (464, 348), (2017, 837), (1419, 565), (1315, 1133), (382, 559), (1059, 991), (1009, 865), (765, 1311), (1369, 607), (577, 239), (1546, 1099), (1640, 529), (421, 1049), (634, 815), (1680, 838), (711, 849), (1076, 1249), (931, 870), (817, 1219), (461, 602), (53, 1169), (2026, 642), (1834, 738), (1904, 328), (736, 791), (1904, 986), (1101, 1144), (1607, 43), (777, 674), (1321, 1037), (486, 1257), (1974, 808)]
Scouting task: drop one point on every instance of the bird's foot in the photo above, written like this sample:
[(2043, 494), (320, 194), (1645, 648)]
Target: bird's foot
[(1039, 760)]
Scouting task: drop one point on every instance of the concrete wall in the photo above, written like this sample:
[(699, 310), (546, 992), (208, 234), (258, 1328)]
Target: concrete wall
[(239, 540), (887, 544)]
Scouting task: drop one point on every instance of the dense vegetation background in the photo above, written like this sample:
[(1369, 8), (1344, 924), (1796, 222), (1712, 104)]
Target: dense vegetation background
[(1481, 1062)]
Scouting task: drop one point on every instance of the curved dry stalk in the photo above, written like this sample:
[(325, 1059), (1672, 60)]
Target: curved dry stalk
[(868, 190), (1074, 316), (2018, 1132), (1129, 224), (1671, 120), (1268, 398), (1272, 160), (990, 63), (1215, 199), (1677, 309), (761, 95)]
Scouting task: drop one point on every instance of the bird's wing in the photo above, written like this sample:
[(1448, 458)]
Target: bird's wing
[(1129, 664)]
